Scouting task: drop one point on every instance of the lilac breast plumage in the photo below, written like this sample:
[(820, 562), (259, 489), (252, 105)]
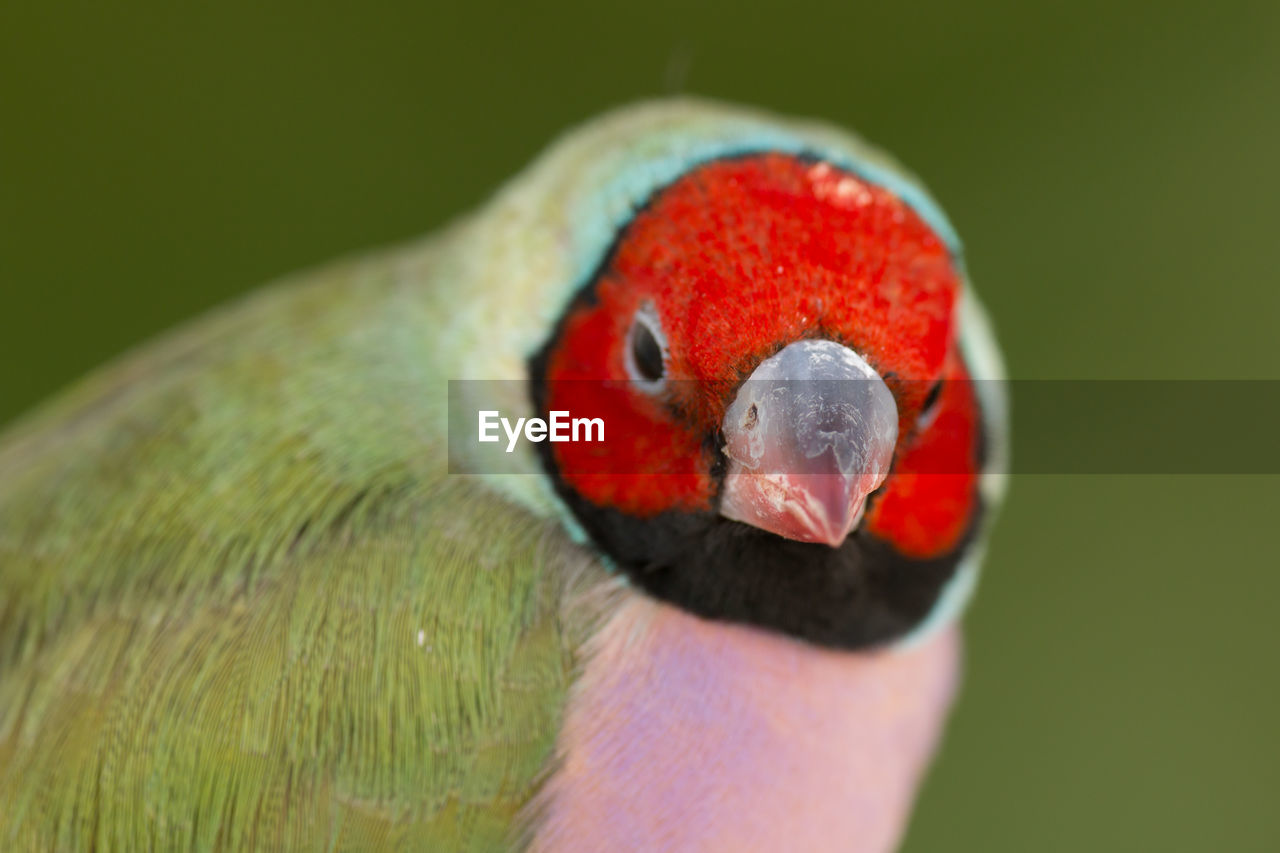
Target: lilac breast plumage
[(685, 734)]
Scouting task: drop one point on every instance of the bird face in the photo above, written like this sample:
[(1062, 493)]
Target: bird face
[(791, 438)]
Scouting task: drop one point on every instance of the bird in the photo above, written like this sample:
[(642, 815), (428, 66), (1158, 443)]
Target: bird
[(264, 587)]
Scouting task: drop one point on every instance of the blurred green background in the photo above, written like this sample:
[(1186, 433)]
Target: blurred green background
[(1112, 168)]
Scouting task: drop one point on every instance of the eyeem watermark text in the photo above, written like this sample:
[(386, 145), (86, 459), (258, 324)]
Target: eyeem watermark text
[(560, 427)]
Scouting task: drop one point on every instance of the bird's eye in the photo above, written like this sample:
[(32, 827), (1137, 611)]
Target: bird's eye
[(646, 359), (929, 406)]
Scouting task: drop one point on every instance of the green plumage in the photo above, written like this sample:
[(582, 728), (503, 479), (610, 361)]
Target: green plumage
[(242, 606)]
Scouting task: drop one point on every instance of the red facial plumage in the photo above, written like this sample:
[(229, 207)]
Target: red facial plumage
[(739, 258)]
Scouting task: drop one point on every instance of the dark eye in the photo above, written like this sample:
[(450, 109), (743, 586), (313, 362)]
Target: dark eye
[(930, 401), (646, 362)]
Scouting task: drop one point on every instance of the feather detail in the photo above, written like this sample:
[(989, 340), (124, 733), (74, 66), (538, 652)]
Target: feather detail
[(243, 607)]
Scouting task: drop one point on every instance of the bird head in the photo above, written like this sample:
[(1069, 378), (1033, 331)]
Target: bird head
[(771, 323)]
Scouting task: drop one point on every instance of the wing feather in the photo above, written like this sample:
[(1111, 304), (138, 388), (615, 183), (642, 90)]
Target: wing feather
[(243, 607)]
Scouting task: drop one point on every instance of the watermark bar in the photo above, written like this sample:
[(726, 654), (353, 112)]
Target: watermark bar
[(1058, 426)]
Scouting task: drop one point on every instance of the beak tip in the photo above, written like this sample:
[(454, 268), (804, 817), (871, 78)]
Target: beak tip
[(821, 509)]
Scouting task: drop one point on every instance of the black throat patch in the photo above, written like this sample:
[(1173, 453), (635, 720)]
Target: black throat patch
[(862, 594)]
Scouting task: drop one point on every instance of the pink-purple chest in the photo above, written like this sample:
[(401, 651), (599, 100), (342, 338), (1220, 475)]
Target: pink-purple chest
[(684, 734)]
